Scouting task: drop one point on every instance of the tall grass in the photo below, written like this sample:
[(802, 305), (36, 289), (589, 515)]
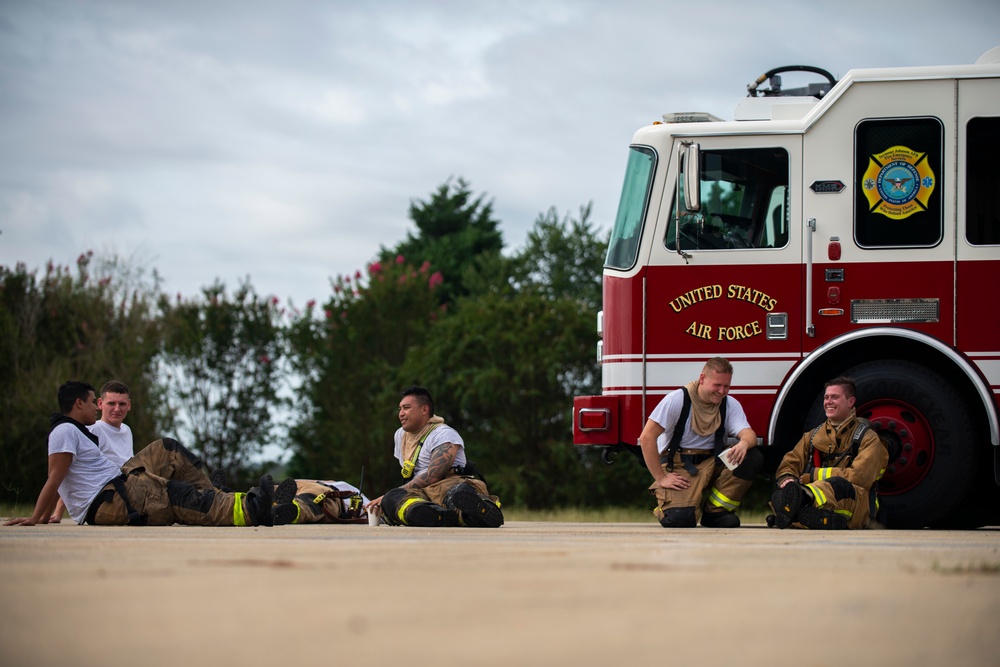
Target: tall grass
[(10, 511), (580, 515), (563, 515), (604, 515)]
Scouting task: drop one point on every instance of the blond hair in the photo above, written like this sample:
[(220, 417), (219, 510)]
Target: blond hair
[(718, 365)]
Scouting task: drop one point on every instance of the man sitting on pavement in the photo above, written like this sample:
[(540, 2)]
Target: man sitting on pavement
[(828, 480), (161, 485), (441, 489), (114, 437)]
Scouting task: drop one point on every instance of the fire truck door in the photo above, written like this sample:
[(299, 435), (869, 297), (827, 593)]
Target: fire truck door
[(883, 249), (727, 279)]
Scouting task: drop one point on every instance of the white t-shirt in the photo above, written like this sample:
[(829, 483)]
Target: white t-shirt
[(441, 435), (116, 443), (668, 412), (344, 486), (88, 473)]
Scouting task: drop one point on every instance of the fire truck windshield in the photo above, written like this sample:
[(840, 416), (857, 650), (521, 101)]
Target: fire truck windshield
[(631, 208)]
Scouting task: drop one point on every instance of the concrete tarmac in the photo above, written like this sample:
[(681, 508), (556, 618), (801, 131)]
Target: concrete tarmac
[(525, 594)]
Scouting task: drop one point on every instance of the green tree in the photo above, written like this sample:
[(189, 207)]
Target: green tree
[(563, 258), (455, 230), (349, 355), (94, 322), (221, 361), (504, 368)]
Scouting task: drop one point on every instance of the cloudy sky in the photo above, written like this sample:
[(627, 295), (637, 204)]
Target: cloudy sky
[(285, 141)]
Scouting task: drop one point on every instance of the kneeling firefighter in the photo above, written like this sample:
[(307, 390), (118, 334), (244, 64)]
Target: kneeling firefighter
[(684, 448)]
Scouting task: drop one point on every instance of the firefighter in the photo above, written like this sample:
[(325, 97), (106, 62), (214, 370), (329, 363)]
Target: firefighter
[(681, 444), (828, 480), (163, 484), (318, 501), (442, 487)]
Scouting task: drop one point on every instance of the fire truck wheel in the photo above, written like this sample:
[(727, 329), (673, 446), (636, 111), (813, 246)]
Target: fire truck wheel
[(933, 475)]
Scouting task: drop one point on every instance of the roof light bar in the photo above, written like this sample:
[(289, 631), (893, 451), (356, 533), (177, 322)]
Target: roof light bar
[(691, 117)]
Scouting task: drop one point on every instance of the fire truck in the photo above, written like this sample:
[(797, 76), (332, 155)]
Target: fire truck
[(841, 227)]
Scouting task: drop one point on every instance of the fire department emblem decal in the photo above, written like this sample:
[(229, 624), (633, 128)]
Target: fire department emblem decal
[(898, 182)]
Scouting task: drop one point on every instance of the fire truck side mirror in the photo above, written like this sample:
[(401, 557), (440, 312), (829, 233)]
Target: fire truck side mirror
[(692, 177)]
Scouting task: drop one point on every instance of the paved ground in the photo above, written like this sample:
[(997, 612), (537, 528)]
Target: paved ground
[(526, 594)]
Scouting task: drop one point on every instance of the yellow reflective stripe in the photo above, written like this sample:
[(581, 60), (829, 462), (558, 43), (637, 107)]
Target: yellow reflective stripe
[(239, 518), (819, 498), (848, 513), (404, 506), (298, 511), (880, 473), (720, 499), (319, 499), (824, 473)]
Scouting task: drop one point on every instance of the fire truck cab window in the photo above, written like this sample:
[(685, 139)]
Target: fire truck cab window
[(898, 177), (982, 219), (624, 245), (743, 202)]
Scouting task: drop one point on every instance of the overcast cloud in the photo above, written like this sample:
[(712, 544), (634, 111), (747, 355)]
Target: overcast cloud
[(285, 141)]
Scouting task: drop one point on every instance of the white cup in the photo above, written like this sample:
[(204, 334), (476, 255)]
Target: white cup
[(373, 519), (724, 457)]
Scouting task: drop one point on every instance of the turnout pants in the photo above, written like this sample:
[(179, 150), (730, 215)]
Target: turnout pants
[(319, 503), (436, 492), (166, 483), (844, 498), (725, 490)]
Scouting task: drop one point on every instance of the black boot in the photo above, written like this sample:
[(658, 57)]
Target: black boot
[(415, 511), (285, 509), (259, 501), (786, 502), (473, 509), (821, 519), (218, 480)]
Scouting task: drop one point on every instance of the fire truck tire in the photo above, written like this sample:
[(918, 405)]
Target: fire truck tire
[(941, 441)]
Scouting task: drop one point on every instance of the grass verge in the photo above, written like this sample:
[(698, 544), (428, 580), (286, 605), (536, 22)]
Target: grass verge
[(563, 515), (601, 515)]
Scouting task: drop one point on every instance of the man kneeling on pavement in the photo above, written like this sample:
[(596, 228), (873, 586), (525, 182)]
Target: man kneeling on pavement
[(681, 445), (443, 488), (828, 480)]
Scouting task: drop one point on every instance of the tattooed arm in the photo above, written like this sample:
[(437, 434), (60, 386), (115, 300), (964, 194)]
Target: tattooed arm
[(442, 461)]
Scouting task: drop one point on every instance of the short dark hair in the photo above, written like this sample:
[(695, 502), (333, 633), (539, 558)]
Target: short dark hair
[(69, 392), (422, 395), (115, 387), (843, 381)]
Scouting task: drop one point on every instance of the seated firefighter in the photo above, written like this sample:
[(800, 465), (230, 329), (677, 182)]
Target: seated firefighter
[(318, 501), (163, 484), (443, 488), (828, 480)]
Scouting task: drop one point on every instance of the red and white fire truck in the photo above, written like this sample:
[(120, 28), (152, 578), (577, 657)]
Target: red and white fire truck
[(845, 227)]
